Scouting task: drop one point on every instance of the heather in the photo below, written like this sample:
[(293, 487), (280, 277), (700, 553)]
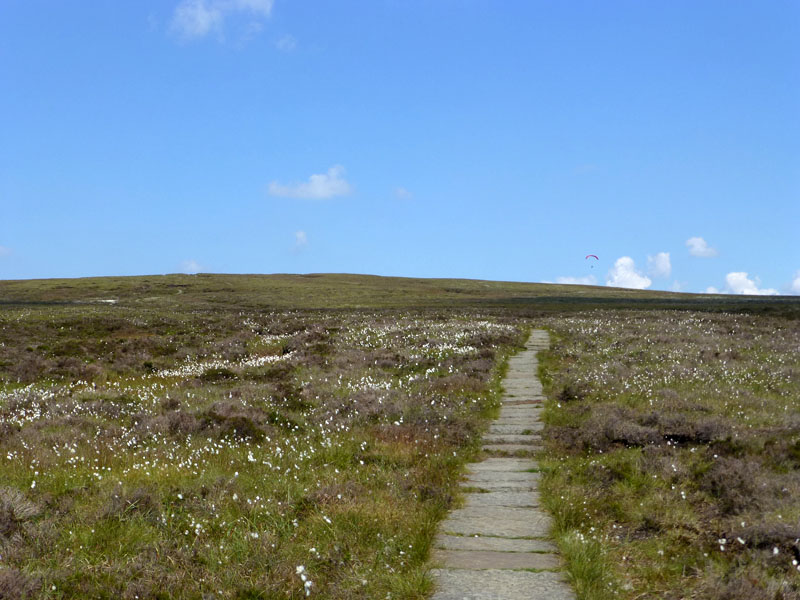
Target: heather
[(673, 453), (225, 436), (235, 453)]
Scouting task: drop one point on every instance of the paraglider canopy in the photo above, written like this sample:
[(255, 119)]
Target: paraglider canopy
[(592, 256)]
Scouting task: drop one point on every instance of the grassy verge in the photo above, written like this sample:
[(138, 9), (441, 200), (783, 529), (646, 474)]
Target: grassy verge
[(152, 453), (672, 465)]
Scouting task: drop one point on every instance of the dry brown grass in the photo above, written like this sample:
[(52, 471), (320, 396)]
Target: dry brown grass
[(673, 448), (186, 453)]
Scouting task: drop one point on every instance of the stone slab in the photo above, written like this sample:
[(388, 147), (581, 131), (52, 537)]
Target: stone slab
[(511, 449), (521, 410), (514, 401), (501, 476), (510, 438), (497, 527), (504, 486), (508, 399), (525, 393), (501, 499), (519, 389), (489, 559), (524, 399), (502, 464), (513, 513), (519, 416), (497, 522), (520, 392), (499, 584), (498, 544), (515, 429), (521, 385), (523, 422)]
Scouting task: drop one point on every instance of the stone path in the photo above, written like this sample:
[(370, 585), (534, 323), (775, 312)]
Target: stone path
[(494, 548)]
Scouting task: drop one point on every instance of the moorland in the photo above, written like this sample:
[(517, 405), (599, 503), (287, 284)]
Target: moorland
[(292, 436)]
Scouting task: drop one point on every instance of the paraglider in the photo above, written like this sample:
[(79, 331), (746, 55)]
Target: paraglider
[(594, 256)]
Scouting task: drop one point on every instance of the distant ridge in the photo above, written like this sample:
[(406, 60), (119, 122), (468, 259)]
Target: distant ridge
[(343, 290)]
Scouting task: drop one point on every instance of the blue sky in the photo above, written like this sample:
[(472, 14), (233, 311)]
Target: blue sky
[(487, 139)]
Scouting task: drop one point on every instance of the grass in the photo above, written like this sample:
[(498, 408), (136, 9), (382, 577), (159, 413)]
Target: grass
[(235, 453), (672, 467), (283, 436), (344, 291)]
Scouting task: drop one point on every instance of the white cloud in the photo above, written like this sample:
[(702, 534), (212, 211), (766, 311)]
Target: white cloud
[(588, 280), (197, 18), (300, 241), (402, 193), (677, 286), (711, 290), (4, 251), (259, 7), (740, 283), (795, 285), (699, 247), (326, 185), (190, 267), (286, 44), (624, 274), (659, 265)]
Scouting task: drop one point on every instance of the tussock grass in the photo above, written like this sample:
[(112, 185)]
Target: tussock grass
[(671, 465), (185, 453), (207, 436)]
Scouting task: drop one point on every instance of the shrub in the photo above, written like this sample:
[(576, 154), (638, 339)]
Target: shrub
[(15, 585), (215, 374)]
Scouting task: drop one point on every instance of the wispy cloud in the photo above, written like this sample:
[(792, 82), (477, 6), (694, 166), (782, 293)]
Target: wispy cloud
[(624, 274), (318, 187), (191, 267), (300, 241), (659, 265), (402, 193), (193, 19), (699, 247), (588, 280), (740, 283), (794, 287), (586, 169), (286, 44)]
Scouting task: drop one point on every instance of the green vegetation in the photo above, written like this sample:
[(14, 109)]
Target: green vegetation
[(229, 452), (334, 291), (672, 463), (283, 436)]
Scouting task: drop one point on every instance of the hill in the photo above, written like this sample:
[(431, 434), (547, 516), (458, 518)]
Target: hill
[(333, 290)]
